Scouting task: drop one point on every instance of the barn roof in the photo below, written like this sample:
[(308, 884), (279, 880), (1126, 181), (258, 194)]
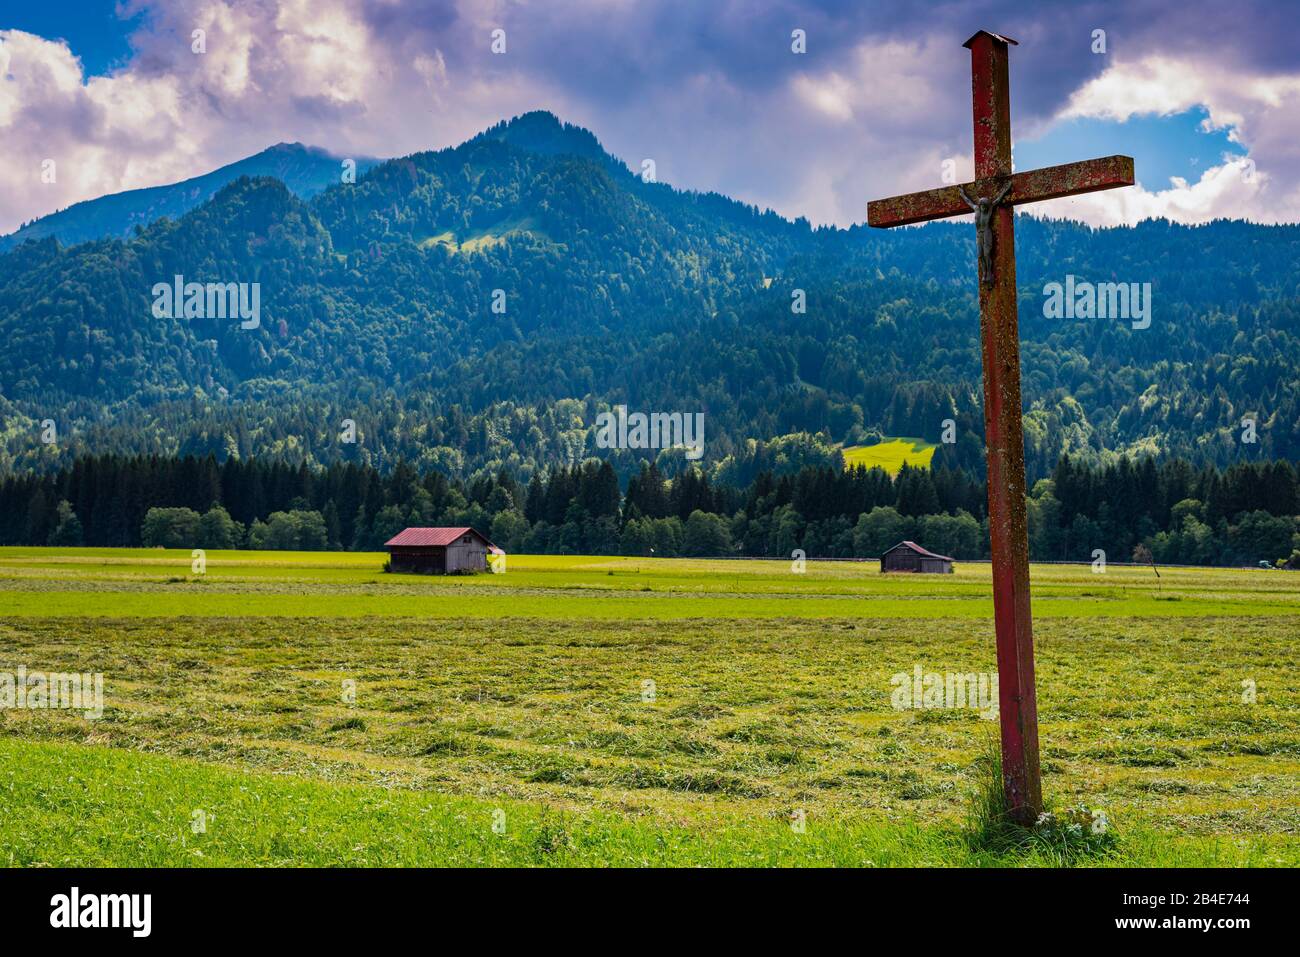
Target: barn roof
[(923, 552), (427, 537)]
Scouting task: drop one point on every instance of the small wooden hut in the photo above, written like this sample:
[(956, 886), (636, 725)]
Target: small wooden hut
[(911, 557), (439, 551)]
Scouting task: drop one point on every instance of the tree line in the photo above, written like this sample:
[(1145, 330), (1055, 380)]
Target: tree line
[(1180, 514)]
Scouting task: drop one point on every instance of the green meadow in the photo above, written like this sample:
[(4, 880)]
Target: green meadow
[(312, 710)]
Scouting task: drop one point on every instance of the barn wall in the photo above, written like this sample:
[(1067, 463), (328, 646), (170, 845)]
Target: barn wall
[(906, 560), (900, 560), (463, 557), (429, 560), (936, 566)]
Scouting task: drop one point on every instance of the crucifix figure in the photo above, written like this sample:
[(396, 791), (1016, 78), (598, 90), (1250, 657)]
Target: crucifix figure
[(984, 228), (1003, 189)]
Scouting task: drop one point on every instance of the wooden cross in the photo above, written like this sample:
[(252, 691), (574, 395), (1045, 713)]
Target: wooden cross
[(992, 195)]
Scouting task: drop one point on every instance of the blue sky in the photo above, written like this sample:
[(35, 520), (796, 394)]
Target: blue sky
[(92, 28), (1163, 147), (1205, 97)]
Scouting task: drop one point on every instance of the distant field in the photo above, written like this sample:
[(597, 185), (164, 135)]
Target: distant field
[(526, 694), (153, 583), (890, 454)]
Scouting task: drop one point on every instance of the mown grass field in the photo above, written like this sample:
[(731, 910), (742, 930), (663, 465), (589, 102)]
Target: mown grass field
[(524, 700), (890, 454)]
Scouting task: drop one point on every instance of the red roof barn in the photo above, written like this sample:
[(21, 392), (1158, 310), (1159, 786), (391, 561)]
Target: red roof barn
[(911, 557), (439, 551)]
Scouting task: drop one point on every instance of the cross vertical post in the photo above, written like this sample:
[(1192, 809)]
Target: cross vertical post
[(1003, 432), (993, 194)]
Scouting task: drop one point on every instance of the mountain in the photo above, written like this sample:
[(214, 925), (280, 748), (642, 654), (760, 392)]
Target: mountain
[(305, 170), (544, 133), (476, 307)]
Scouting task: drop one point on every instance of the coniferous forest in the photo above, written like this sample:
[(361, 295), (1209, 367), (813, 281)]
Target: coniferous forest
[(1244, 514)]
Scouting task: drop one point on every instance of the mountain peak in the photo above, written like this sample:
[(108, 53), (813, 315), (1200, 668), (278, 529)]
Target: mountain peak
[(541, 131), (536, 118), (297, 149)]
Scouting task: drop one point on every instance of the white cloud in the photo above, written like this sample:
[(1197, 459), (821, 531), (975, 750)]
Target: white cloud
[(889, 83), (831, 95), (867, 129), (1261, 113), (1231, 190), (103, 136)]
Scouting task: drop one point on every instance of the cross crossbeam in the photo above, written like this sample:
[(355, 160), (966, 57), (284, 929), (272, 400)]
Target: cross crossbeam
[(1034, 186), (992, 196)]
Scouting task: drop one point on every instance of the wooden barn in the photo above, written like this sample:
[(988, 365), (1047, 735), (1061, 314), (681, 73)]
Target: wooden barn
[(439, 551), (911, 557)]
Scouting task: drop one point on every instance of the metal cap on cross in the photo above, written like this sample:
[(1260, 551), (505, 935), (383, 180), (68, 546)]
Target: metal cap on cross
[(992, 196)]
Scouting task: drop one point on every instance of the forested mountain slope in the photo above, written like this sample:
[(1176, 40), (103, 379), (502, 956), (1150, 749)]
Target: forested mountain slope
[(478, 306)]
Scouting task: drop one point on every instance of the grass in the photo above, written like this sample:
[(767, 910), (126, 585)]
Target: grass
[(82, 806), (1062, 836), (890, 454), (529, 693), (478, 240)]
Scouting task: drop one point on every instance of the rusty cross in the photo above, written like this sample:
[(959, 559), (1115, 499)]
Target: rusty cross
[(992, 195)]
